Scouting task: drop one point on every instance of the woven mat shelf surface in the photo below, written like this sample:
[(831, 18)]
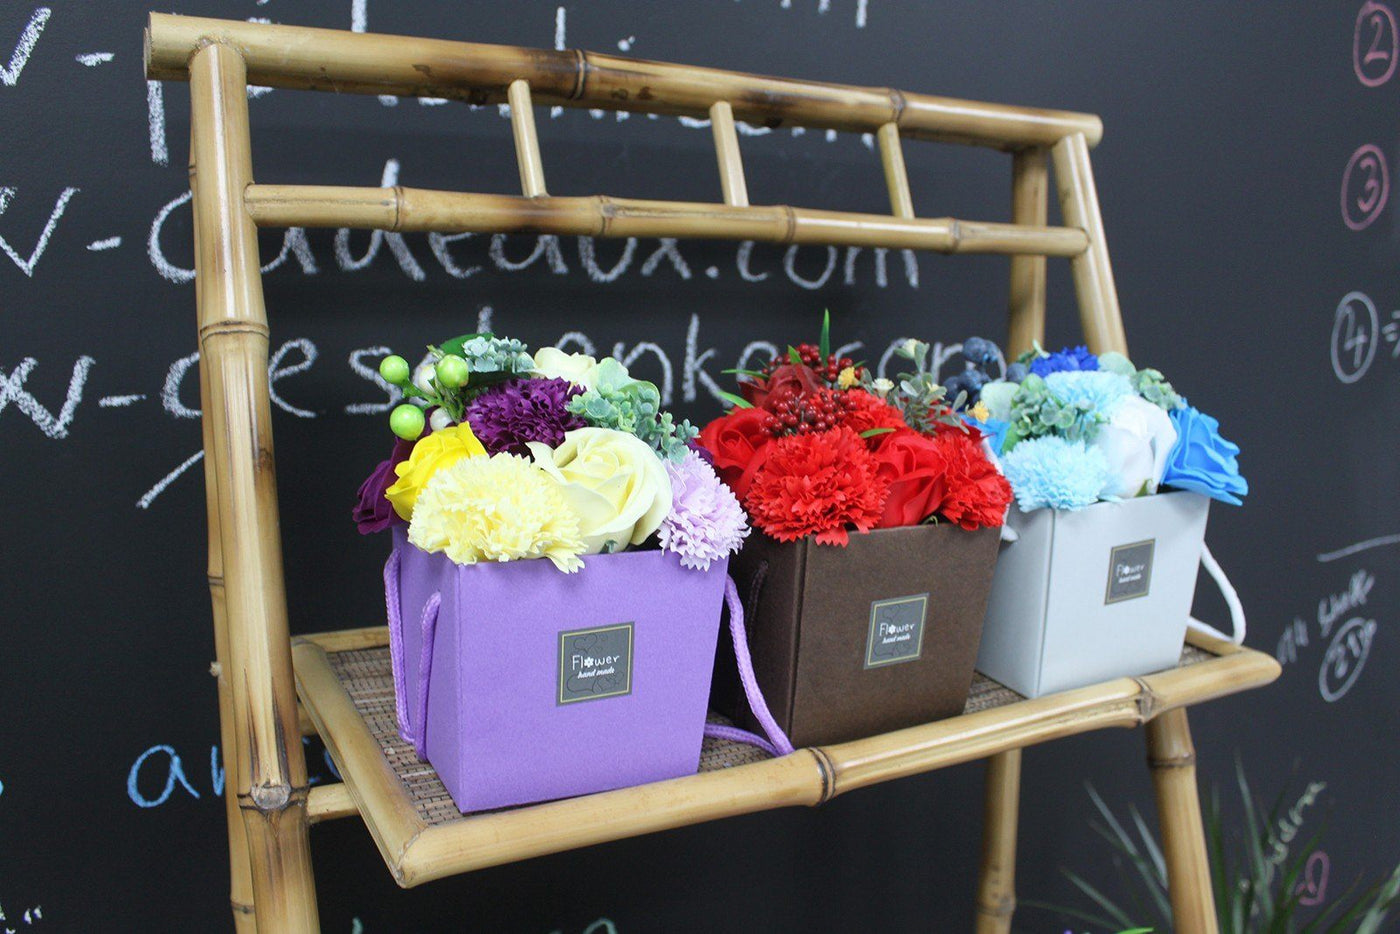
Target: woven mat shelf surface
[(367, 677)]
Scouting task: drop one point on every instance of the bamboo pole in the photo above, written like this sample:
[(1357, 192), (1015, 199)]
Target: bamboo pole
[(996, 890), (896, 176), (411, 209), (1030, 190), (527, 140), (269, 771), (1172, 759), (240, 873), (367, 63), (731, 160), (1093, 272)]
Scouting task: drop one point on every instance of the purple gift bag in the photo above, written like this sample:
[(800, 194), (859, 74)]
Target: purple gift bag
[(520, 683)]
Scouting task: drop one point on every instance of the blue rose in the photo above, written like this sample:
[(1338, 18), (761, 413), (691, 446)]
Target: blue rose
[(1201, 460), (1071, 359)]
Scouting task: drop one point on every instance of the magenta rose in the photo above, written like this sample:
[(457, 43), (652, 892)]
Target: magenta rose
[(373, 512)]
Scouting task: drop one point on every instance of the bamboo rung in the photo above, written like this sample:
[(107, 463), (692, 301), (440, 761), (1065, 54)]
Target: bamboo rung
[(366, 63), (330, 802), (527, 140), (405, 209), (896, 176), (731, 163)]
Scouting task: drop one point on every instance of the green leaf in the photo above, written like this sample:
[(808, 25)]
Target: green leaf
[(793, 356), (752, 374), (739, 402), (825, 345), (872, 432)]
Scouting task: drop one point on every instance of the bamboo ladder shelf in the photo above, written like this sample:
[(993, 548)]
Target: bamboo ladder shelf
[(273, 689)]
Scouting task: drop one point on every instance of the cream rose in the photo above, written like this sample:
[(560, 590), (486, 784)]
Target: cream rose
[(614, 481), (579, 369)]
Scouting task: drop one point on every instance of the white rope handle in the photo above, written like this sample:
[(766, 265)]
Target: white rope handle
[(1232, 600)]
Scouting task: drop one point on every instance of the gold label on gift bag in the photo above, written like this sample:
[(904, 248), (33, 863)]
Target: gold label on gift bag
[(896, 630), (595, 663), (1129, 571)]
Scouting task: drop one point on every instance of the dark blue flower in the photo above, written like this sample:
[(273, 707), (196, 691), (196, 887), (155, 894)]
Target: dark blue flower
[(1201, 460), (1069, 359)]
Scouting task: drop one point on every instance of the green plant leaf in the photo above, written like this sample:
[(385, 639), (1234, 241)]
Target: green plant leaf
[(794, 357), (824, 347), (739, 402), (872, 432)]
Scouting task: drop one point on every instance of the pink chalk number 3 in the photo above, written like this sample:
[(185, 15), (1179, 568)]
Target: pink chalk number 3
[(1365, 187), (1373, 48)]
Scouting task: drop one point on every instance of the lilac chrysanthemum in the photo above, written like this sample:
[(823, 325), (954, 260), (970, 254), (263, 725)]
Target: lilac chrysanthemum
[(1070, 359), (508, 416), (1050, 471), (706, 522)]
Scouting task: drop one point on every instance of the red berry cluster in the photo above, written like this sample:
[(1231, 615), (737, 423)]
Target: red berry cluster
[(822, 410), (827, 370)]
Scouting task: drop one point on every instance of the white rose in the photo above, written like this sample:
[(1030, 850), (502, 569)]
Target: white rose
[(1136, 442), (615, 482), (996, 396), (579, 369)]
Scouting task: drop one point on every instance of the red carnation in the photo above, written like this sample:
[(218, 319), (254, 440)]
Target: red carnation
[(977, 495), (786, 382), (817, 484), (739, 442), (916, 470), (868, 412)]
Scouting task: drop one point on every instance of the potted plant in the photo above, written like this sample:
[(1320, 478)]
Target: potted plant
[(558, 567), (877, 516), (1113, 474)]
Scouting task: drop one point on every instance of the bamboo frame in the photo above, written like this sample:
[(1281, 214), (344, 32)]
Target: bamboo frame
[(996, 890), (527, 140), (1030, 189), (269, 804), (266, 767), (727, 154), (1172, 760), (367, 63)]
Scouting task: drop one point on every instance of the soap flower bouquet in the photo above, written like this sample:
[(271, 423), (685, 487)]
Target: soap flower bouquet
[(1073, 428), (505, 455), (817, 446)]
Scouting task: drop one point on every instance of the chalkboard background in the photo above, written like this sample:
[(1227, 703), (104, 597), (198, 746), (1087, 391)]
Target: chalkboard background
[(1255, 251)]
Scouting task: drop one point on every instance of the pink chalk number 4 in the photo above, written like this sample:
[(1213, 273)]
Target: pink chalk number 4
[(1373, 48)]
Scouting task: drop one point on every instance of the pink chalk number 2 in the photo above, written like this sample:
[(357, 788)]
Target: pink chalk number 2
[(1373, 48)]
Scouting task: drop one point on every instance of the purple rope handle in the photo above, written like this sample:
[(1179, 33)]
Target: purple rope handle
[(777, 743), (428, 625)]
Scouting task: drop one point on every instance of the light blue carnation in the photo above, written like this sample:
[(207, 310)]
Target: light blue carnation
[(1050, 471), (1099, 390)]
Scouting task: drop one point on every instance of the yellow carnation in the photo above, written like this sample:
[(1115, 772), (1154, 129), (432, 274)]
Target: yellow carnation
[(431, 454), (980, 411), (499, 508), (847, 378)]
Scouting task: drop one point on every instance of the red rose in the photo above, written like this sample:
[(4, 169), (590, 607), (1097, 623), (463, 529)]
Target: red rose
[(787, 382), (916, 470), (870, 412), (977, 495), (740, 444)]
